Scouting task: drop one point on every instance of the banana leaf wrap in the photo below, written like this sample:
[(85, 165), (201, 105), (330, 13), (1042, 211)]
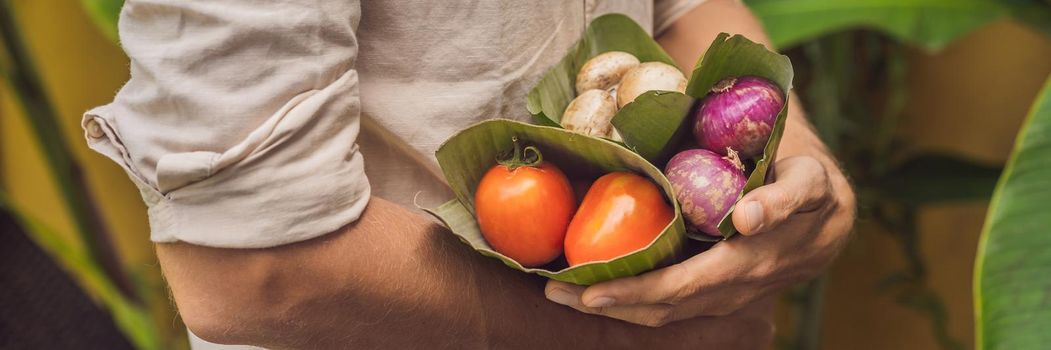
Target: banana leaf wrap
[(657, 124), (466, 156), (654, 126)]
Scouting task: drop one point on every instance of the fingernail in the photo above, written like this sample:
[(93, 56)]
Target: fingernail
[(600, 302), (562, 297), (754, 212)]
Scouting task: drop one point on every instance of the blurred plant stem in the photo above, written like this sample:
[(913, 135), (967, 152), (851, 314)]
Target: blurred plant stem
[(808, 314), (132, 318), (910, 286), (854, 84), (26, 84)]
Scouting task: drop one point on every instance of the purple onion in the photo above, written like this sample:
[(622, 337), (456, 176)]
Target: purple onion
[(739, 113), (706, 185)]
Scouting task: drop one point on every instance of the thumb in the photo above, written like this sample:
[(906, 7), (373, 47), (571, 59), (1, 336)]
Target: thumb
[(802, 185)]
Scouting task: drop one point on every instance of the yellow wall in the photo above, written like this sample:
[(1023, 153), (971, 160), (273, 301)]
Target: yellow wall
[(81, 69)]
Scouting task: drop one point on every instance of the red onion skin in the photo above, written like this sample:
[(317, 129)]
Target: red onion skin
[(739, 113), (707, 186)]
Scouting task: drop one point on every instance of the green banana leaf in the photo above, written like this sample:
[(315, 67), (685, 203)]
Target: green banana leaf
[(1012, 282), (1035, 13), (931, 24), (939, 178), (104, 14), (733, 57), (650, 123), (466, 156)]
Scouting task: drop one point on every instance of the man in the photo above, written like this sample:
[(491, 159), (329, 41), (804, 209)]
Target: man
[(240, 125)]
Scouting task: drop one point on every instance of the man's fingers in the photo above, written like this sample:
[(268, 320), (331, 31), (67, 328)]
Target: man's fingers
[(801, 185), (648, 315), (669, 285), (663, 285), (564, 293), (654, 287)]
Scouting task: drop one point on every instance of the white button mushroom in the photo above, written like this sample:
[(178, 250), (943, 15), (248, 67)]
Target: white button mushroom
[(590, 113), (646, 77), (604, 71)]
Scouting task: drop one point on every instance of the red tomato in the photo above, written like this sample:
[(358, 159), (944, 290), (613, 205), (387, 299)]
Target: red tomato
[(621, 213), (523, 210)]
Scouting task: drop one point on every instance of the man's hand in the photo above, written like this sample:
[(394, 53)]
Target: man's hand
[(790, 230)]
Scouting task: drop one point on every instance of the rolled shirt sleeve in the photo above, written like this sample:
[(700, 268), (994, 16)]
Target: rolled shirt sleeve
[(239, 122)]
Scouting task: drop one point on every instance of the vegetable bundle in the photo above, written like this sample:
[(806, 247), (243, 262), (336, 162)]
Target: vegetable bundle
[(610, 117)]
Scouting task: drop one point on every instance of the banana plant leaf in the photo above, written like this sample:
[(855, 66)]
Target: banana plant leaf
[(466, 156), (939, 178), (104, 13), (1012, 282), (734, 57), (930, 24)]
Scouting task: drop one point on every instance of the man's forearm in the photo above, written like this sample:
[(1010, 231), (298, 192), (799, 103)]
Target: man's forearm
[(395, 280)]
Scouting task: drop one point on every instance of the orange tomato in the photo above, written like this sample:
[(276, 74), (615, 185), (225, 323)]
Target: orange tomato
[(621, 213), (523, 209)]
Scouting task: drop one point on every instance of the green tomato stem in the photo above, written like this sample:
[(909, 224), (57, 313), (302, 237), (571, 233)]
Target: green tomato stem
[(521, 157)]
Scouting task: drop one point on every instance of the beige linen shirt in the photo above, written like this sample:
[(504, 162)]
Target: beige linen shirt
[(256, 123)]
